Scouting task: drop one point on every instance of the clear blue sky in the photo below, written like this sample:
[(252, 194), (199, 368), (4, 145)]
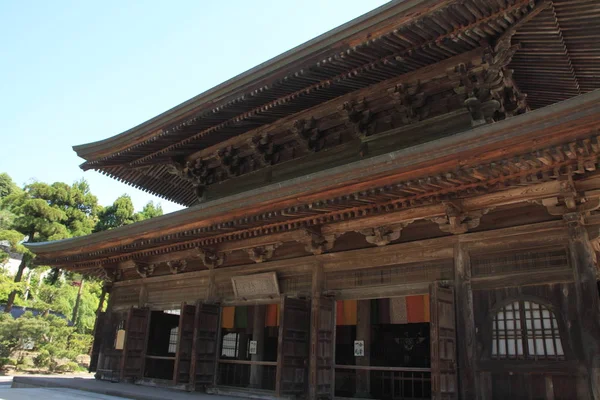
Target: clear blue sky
[(73, 72)]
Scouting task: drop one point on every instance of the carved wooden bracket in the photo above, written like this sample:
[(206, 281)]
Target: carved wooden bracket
[(307, 134), (569, 201), (456, 221), (196, 172), (111, 275), (266, 151), (262, 253), (359, 117), (383, 235), (409, 101), (211, 259), (177, 266), (230, 161), (144, 269), (317, 243)]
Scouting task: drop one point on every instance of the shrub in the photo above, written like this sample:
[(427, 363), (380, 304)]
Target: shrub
[(4, 361), (68, 367), (42, 360)]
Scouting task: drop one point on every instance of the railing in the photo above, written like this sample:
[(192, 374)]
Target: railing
[(393, 383), (238, 373)]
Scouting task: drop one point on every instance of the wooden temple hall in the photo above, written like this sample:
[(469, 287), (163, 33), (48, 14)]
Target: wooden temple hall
[(406, 207)]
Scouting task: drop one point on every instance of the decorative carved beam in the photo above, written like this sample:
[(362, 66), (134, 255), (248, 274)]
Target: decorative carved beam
[(145, 270), (569, 201), (230, 161), (307, 134), (211, 259), (359, 117), (196, 172), (177, 266), (456, 221), (262, 253), (383, 235), (409, 101), (267, 152), (317, 243), (110, 275)]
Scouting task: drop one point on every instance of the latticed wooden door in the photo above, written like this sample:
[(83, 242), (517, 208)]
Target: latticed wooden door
[(443, 343), (185, 340), (101, 321), (294, 339), (322, 382), (205, 345), (136, 339)]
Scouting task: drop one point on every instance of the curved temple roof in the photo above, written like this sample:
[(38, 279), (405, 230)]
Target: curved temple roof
[(554, 62)]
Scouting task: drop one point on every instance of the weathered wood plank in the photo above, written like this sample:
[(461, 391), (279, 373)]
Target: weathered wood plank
[(467, 350)]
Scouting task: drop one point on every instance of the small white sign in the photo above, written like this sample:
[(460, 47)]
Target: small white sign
[(359, 348), (252, 347)]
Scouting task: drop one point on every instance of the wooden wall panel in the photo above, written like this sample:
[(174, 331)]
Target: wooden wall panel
[(125, 297), (170, 295), (390, 275)]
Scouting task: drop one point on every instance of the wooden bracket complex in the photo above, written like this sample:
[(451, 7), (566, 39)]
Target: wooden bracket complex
[(383, 235), (144, 269), (262, 253), (177, 266), (211, 259), (457, 221)]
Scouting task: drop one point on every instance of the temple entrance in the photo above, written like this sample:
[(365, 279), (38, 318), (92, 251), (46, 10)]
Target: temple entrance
[(391, 348), (265, 347), (382, 348), (161, 350), (248, 346)]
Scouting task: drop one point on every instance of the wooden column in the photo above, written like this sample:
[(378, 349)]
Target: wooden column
[(317, 286), (258, 334), (104, 330), (143, 299), (467, 347), (584, 270), (363, 332)]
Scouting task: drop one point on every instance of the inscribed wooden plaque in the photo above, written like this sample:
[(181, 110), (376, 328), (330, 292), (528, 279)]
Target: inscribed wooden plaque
[(257, 285)]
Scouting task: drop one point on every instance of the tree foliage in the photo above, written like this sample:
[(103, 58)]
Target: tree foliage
[(45, 212), (122, 212), (7, 185)]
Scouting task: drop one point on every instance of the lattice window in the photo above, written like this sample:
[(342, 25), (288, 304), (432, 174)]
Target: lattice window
[(230, 346), (173, 340), (526, 330)]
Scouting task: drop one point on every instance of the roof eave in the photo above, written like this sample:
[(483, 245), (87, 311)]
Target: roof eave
[(282, 64)]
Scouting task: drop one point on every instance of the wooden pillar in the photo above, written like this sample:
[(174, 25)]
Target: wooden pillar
[(105, 331), (317, 286), (258, 334), (465, 317), (143, 299), (363, 332), (588, 306)]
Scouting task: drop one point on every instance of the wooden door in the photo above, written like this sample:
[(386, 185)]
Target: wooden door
[(443, 343), (322, 368), (292, 352), (98, 335), (185, 340), (205, 345), (136, 340)]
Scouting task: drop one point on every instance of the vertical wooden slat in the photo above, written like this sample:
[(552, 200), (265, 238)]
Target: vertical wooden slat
[(136, 342), (443, 343), (292, 351), (467, 347), (584, 267), (183, 358)]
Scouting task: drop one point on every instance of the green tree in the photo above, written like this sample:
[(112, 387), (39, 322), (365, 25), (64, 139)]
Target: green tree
[(150, 210), (122, 212), (50, 212), (7, 185)]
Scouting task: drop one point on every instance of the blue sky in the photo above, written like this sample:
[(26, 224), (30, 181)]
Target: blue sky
[(73, 72)]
